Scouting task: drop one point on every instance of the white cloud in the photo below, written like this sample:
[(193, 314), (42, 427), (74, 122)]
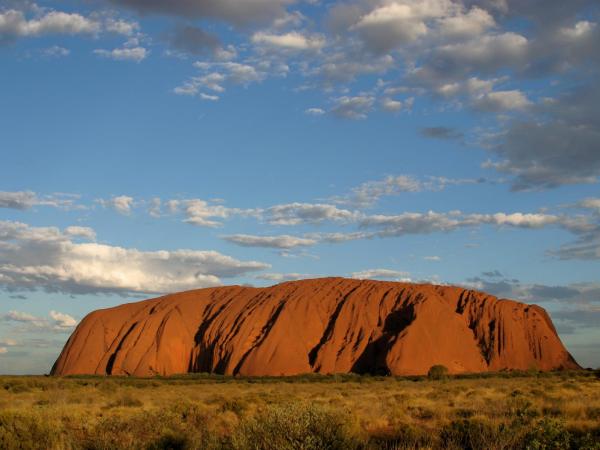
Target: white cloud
[(581, 29), (353, 107), (502, 101), (120, 26), (216, 75), (391, 105), (432, 258), (47, 258), (423, 223), (474, 23), (18, 200), (368, 193), (590, 203), (237, 73), (82, 232), (314, 111), (14, 24), (284, 241), (299, 213), (18, 316), (122, 204), (57, 322), (213, 81), (392, 24), (63, 321), (136, 54), (202, 213), (292, 41), (56, 51), (155, 207), (280, 277), (211, 98), (485, 53), (386, 274), (27, 199)]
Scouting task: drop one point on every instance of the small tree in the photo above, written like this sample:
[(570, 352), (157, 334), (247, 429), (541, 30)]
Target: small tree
[(437, 372)]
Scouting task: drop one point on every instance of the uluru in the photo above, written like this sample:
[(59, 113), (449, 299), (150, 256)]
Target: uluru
[(326, 325)]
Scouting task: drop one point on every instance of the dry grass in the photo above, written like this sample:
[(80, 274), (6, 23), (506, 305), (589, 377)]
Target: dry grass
[(534, 411)]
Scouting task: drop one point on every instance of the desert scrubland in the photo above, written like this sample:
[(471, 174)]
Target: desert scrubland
[(521, 410)]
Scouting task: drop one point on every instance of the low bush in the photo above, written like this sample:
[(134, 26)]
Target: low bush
[(548, 434), (29, 431), (472, 434), (437, 372), (296, 427)]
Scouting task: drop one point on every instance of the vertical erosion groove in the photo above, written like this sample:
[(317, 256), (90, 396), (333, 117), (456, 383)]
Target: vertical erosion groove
[(113, 357), (312, 355)]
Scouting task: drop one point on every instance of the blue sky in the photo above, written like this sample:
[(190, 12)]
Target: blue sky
[(151, 147)]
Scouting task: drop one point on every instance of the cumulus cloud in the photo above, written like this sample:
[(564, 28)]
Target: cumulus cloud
[(136, 54), (31, 20), (284, 241), (485, 54), (353, 107), (27, 199), (48, 259), (123, 204), (502, 101), (560, 147), (216, 75), (14, 24), (62, 320), (473, 23), (314, 111), (291, 41), (395, 23), (122, 27), (391, 105), (202, 213), (57, 321), (81, 232)]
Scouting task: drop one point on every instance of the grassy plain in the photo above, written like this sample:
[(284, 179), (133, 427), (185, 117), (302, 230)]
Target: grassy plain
[(498, 411)]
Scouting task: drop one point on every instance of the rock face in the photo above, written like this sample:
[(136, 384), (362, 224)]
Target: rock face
[(328, 325)]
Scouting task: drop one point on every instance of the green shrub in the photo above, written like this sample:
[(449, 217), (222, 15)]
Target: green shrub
[(296, 427), (548, 434), (437, 372)]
